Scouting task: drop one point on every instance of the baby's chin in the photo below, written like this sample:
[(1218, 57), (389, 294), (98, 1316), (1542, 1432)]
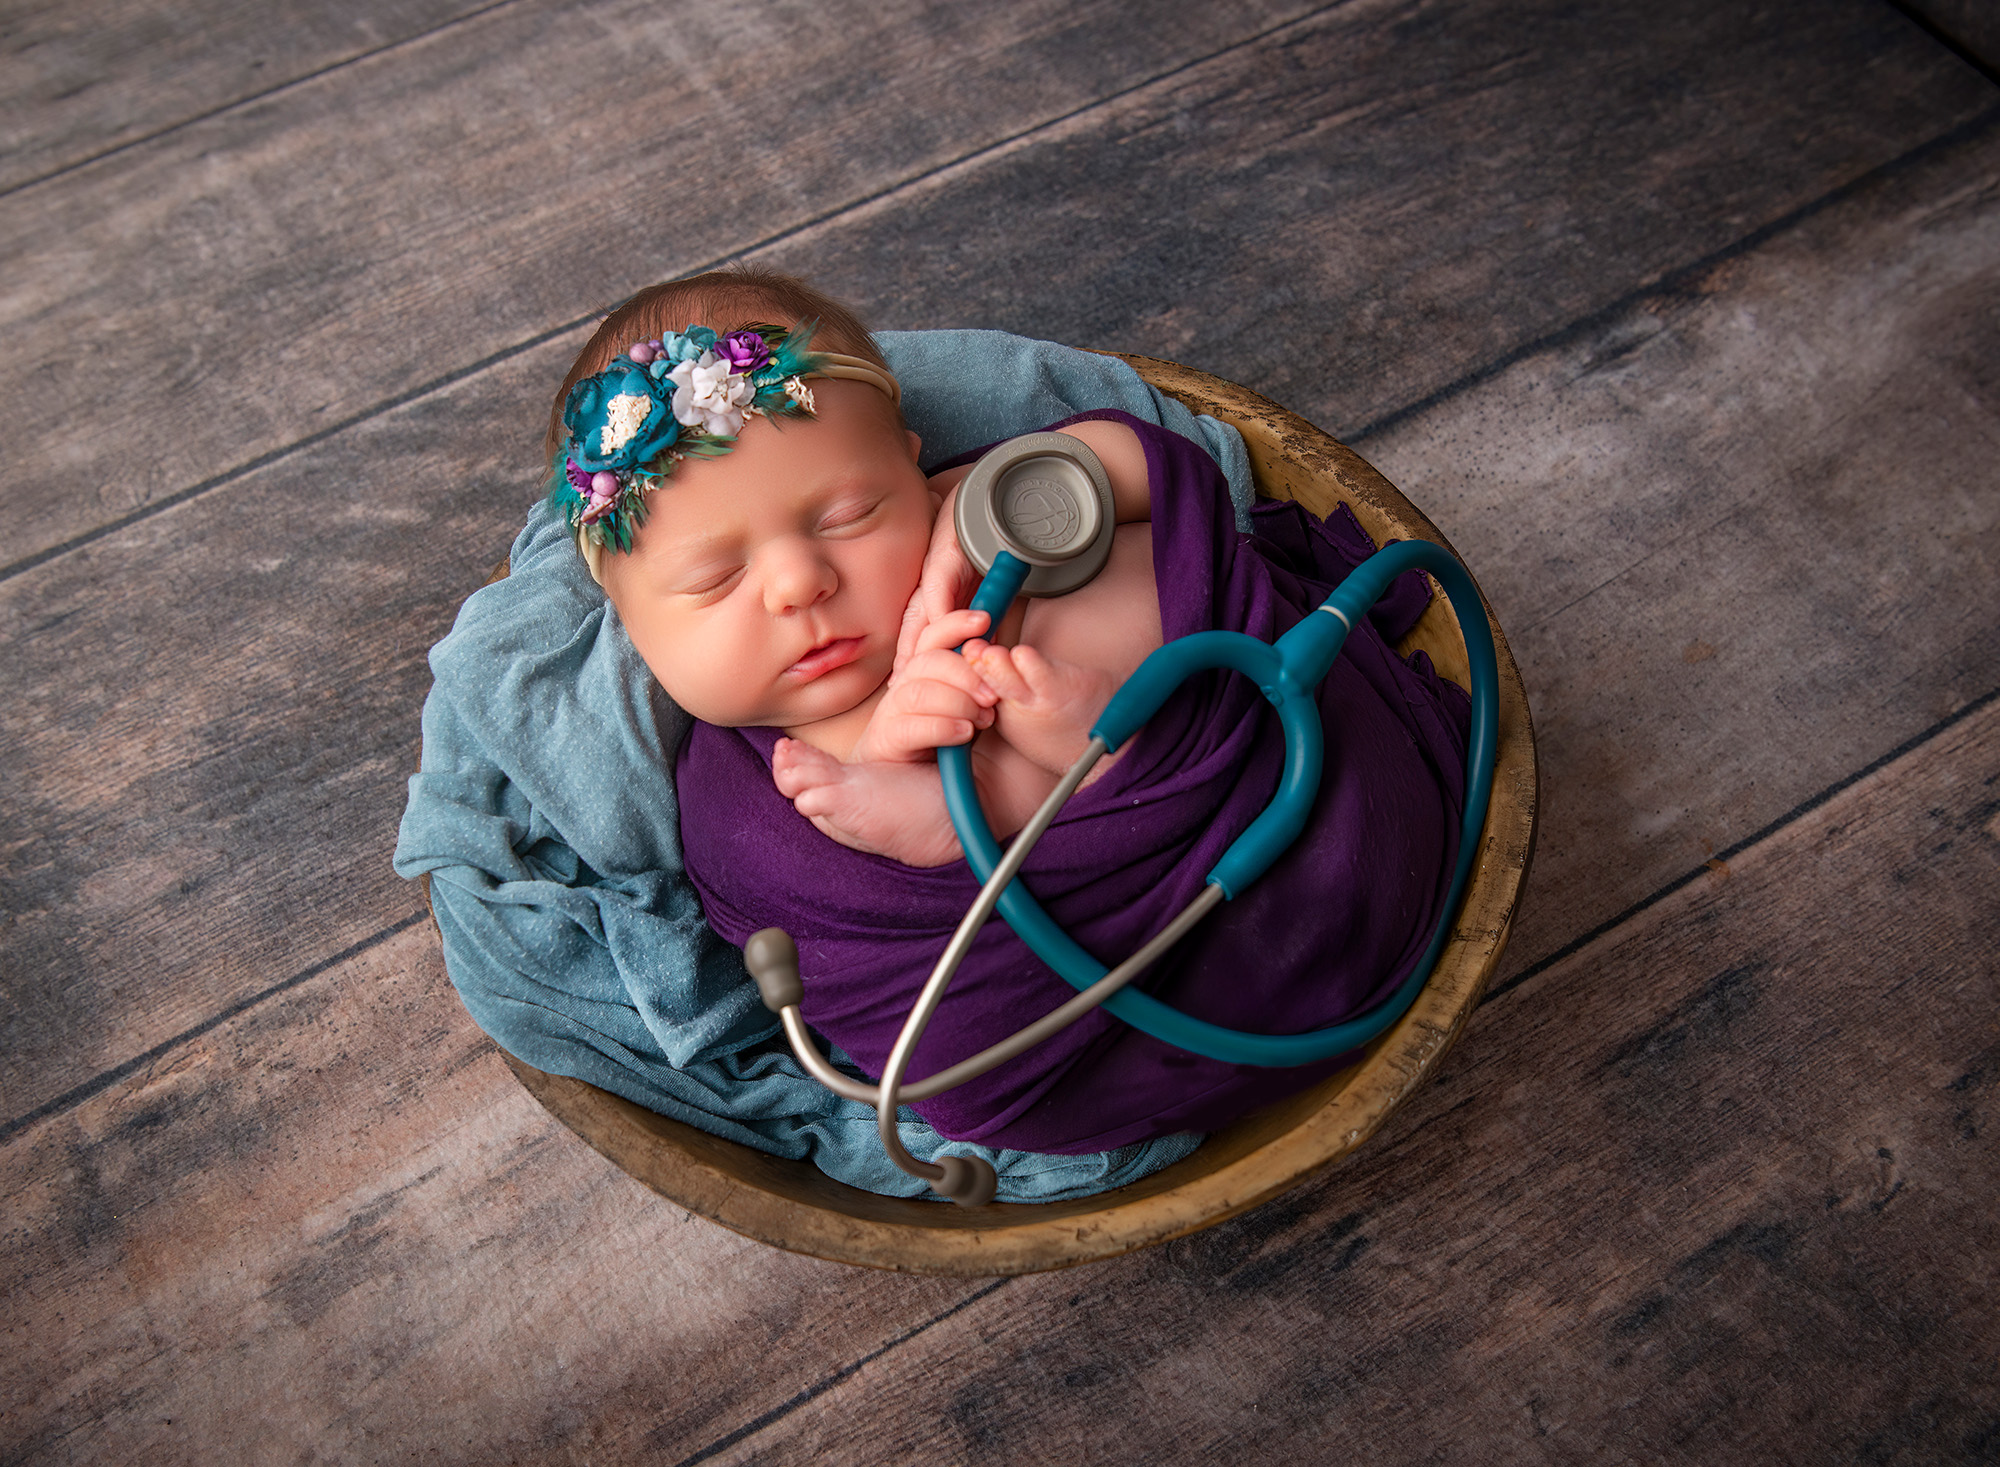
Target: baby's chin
[(835, 693)]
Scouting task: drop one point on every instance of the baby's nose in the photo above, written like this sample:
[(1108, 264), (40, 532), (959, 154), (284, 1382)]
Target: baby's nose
[(795, 575)]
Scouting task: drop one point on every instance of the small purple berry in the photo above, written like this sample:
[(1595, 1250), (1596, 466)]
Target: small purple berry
[(643, 353), (603, 483)]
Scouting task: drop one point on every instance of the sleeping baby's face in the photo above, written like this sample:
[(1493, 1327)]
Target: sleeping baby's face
[(767, 586)]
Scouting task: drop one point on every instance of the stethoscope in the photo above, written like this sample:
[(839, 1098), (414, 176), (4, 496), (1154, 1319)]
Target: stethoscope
[(1035, 517)]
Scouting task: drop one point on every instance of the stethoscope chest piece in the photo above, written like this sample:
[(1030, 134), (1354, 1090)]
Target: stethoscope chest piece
[(1044, 498)]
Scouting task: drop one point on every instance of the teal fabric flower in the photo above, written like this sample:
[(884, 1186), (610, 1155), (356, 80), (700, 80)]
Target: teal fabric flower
[(618, 419), (686, 346)]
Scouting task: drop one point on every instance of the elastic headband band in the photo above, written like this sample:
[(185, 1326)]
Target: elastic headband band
[(686, 395), (855, 369)]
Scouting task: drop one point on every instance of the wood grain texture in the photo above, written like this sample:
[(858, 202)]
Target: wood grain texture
[(1363, 210), (280, 268), (1744, 533), (214, 721), (335, 1229), (1971, 24), (1719, 1188), (216, 801), (793, 1205), (79, 79)]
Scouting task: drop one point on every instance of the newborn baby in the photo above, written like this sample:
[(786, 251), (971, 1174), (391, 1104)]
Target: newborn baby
[(779, 586), (795, 585)]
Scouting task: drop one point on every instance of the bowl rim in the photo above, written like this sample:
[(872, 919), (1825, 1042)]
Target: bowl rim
[(792, 1205)]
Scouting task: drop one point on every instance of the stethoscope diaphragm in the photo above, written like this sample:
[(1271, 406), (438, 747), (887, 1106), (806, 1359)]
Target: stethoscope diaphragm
[(1045, 499)]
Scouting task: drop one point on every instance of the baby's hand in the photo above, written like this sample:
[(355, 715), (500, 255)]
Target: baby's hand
[(1045, 707), (934, 699), (947, 580)]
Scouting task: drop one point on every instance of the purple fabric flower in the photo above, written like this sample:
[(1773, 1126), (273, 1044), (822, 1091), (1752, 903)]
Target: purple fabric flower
[(578, 479), (745, 351)]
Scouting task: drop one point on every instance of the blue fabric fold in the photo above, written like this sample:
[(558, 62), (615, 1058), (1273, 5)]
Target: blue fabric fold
[(544, 815)]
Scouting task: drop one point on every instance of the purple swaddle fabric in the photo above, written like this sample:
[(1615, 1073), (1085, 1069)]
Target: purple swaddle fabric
[(1335, 924)]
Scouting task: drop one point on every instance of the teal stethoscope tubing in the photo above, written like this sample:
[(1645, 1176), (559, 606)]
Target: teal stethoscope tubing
[(1287, 672)]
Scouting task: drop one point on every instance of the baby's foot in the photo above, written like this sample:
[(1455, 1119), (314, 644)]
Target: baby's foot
[(893, 810), (1046, 707)]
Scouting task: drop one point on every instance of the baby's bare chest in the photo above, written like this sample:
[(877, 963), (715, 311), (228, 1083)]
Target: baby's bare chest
[(1113, 622)]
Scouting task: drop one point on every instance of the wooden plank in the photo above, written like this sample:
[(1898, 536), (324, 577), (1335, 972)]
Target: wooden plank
[(79, 80), (1971, 25), (1720, 1187), (1372, 206), (1742, 535), (335, 1228), (214, 766), (279, 268), (335, 1223)]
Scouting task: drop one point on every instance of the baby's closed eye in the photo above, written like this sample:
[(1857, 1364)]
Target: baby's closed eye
[(711, 582), (852, 515)]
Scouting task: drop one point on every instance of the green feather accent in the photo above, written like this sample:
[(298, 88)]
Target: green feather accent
[(704, 445)]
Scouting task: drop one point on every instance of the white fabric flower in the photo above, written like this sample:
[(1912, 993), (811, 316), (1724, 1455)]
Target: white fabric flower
[(708, 396)]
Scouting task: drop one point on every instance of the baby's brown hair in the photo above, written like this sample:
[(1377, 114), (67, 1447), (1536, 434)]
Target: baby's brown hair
[(722, 300)]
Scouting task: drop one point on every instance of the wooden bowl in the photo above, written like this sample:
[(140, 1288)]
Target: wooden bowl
[(790, 1204)]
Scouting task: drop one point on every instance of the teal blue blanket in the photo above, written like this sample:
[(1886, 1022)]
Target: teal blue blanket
[(545, 818)]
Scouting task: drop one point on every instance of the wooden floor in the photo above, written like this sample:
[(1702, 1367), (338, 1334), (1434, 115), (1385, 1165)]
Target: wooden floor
[(1681, 318)]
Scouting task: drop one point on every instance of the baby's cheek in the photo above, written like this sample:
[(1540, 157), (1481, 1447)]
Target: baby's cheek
[(696, 674), (892, 579)]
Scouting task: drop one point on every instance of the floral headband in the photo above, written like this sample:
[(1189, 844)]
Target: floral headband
[(686, 395)]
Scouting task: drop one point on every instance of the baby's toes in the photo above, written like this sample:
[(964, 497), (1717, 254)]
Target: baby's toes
[(797, 766)]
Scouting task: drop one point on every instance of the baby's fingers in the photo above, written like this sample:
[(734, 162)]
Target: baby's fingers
[(1041, 676), (949, 669), (920, 731), (1021, 674), (928, 695), (951, 629), (999, 670)]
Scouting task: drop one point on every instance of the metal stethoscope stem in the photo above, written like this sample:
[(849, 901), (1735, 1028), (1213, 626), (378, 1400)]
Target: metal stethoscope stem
[(773, 961)]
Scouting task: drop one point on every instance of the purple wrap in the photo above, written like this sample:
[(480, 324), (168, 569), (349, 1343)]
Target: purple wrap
[(1334, 925)]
